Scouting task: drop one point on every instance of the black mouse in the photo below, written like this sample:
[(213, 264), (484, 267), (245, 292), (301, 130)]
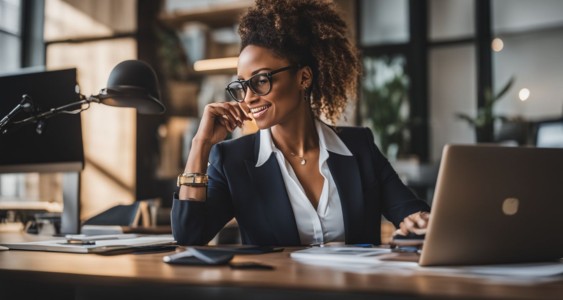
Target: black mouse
[(409, 236), (411, 240)]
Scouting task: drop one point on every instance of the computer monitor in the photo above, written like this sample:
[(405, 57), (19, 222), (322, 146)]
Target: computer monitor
[(549, 133), (58, 148)]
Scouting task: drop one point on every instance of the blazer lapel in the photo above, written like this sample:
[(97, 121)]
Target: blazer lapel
[(272, 196), (346, 175)]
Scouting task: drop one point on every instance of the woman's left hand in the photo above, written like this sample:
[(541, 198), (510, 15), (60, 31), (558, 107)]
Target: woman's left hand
[(415, 223)]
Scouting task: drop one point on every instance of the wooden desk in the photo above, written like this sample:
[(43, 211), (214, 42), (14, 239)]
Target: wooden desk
[(27, 275)]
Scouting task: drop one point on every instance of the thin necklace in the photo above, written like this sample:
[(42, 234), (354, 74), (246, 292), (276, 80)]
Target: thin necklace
[(302, 159)]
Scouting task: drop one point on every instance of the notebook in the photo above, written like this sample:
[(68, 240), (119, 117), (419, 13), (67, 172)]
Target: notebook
[(103, 246), (496, 204)]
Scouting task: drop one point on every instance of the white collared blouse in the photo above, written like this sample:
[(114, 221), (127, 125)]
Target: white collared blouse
[(326, 223)]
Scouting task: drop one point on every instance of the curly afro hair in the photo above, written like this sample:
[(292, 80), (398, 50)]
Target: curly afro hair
[(308, 33)]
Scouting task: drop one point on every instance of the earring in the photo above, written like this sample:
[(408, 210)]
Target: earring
[(305, 94)]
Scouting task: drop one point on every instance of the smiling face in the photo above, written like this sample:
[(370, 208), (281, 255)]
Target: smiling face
[(285, 99)]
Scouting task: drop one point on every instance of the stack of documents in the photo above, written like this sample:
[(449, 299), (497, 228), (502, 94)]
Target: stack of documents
[(343, 254), (376, 260)]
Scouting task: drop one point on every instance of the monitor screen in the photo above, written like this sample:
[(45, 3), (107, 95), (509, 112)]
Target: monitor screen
[(550, 134), (59, 147)]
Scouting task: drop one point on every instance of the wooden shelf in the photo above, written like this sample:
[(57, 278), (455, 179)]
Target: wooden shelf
[(215, 16)]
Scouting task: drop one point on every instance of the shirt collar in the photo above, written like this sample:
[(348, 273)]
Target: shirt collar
[(266, 147), (328, 139)]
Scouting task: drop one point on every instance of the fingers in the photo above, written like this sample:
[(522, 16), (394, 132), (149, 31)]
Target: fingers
[(419, 219), (227, 120), (245, 110), (402, 229), (228, 114), (415, 223), (223, 120)]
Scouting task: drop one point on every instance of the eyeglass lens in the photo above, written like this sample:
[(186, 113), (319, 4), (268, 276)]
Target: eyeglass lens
[(259, 84)]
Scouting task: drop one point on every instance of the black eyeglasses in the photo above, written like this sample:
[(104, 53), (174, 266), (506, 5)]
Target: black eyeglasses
[(260, 84)]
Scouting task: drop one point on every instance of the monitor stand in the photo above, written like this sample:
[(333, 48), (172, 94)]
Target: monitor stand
[(70, 219)]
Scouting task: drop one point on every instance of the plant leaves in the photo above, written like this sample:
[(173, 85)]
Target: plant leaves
[(505, 88), (466, 118)]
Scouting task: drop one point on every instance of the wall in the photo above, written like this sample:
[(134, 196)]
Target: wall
[(532, 33), (452, 90)]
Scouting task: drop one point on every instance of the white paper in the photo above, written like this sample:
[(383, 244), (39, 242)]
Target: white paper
[(338, 255), (524, 269), (372, 260)]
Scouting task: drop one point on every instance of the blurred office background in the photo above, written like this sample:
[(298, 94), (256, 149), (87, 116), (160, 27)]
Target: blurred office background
[(426, 63)]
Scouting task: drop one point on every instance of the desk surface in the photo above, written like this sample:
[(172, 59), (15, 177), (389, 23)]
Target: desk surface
[(147, 273)]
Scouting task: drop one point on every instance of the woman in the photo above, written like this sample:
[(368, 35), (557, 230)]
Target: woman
[(297, 181)]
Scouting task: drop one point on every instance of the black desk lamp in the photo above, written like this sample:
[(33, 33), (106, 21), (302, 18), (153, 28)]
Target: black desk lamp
[(132, 83)]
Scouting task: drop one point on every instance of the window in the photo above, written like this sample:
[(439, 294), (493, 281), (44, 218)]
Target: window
[(10, 60), (532, 53), (10, 34), (386, 94), (13, 37), (92, 36)]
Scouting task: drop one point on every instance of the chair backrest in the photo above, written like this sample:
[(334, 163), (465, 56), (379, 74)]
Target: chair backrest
[(121, 215), (517, 132)]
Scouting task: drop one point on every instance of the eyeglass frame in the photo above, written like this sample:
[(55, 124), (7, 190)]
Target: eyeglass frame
[(246, 83)]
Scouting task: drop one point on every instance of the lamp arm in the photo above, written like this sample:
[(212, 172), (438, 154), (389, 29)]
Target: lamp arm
[(37, 117), (26, 104)]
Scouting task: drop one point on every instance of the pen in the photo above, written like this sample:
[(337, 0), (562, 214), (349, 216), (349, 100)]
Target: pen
[(82, 239), (80, 242), (363, 245)]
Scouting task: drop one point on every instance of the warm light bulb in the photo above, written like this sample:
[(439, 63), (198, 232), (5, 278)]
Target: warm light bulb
[(497, 45), (162, 131), (524, 94), (216, 64)]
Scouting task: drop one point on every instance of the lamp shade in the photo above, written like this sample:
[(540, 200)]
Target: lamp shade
[(133, 83)]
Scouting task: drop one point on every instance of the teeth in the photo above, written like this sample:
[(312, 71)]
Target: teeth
[(259, 109)]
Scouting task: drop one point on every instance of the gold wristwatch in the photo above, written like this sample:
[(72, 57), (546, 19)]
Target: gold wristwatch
[(192, 179)]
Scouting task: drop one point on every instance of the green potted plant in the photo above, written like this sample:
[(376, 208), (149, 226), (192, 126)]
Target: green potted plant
[(385, 103), (484, 121)]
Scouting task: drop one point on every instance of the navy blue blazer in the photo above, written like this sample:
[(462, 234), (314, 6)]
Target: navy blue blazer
[(256, 196)]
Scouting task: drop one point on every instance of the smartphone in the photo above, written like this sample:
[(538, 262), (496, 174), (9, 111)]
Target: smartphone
[(199, 256), (250, 265), (210, 256)]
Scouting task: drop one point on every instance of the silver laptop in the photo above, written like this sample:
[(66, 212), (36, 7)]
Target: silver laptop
[(496, 204)]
